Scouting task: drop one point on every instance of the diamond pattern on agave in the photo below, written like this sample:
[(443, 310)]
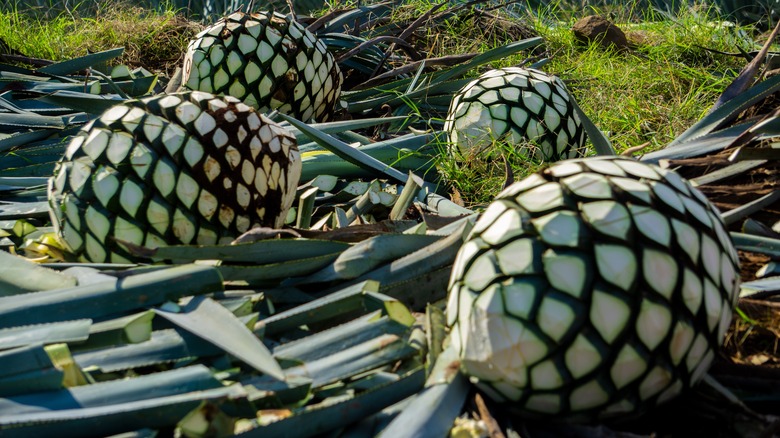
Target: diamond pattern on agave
[(520, 105), (598, 287), (183, 168), (269, 62)]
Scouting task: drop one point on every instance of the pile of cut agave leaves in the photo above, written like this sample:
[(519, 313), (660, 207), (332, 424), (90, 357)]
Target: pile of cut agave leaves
[(334, 325)]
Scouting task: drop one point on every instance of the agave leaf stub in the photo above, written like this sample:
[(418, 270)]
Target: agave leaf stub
[(183, 168), (606, 299), (268, 61), (527, 107)]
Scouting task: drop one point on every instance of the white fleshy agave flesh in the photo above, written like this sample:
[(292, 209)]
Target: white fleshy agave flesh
[(268, 61), (598, 287), (525, 107), (184, 168)]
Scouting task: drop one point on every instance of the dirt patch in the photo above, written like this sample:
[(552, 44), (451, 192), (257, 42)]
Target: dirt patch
[(595, 28)]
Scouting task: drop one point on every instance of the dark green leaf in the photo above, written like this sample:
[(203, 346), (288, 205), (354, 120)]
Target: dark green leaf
[(728, 111), (128, 329), (85, 102), (81, 63)]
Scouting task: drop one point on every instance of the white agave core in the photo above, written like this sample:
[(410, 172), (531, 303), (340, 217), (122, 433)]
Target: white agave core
[(158, 182), (519, 105), (544, 312), (246, 56)]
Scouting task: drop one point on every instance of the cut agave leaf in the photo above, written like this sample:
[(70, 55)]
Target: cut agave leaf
[(209, 320), (164, 347), (19, 275), (88, 275), (436, 332), (330, 341), (330, 415), (160, 384), (723, 173), (421, 276), (433, 410), (339, 126), (140, 433), (20, 182), (748, 73), (67, 331), (340, 302), (84, 102), (761, 289), (374, 424), (369, 355), (345, 151), (770, 269), (24, 138), (81, 63), (752, 207), (702, 145), (727, 111), (274, 273), (206, 421), (439, 82), (406, 198), (306, 207), (258, 253), (409, 153), (756, 244), (367, 255), (37, 368), (24, 210), (155, 413), (104, 299), (130, 329)]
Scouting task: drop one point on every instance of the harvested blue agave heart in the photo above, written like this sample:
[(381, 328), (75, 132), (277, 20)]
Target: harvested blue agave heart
[(182, 168), (528, 108), (267, 60), (597, 288)]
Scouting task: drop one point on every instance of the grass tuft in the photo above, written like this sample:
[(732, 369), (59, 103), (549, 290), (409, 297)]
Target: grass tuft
[(154, 40)]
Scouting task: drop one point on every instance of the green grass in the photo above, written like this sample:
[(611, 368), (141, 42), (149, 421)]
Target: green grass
[(655, 92), (154, 40), (646, 96)]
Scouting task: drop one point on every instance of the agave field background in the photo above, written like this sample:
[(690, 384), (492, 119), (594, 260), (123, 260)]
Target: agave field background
[(334, 325)]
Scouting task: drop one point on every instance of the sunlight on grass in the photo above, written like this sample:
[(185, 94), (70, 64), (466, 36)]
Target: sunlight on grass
[(154, 40)]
